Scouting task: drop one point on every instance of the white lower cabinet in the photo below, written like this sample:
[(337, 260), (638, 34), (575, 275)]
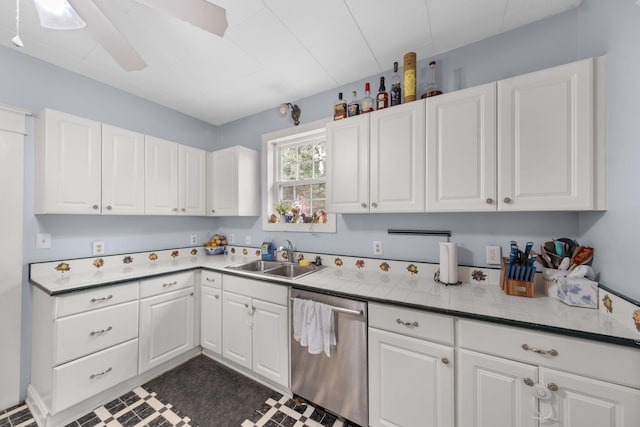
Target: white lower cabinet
[(255, 327), (211, 311), (411, 380), (166, 320)]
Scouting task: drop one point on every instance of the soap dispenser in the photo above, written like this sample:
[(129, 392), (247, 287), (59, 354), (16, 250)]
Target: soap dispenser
[(268, 251)]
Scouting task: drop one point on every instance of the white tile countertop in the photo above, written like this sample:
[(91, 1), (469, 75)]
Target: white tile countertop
[(400, 282)]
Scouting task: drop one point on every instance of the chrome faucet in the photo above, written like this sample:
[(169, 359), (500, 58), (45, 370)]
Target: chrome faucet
[(289, 250)]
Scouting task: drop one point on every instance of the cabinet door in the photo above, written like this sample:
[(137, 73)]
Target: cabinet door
[(166, 327), (410, 381), (122, 171), (68, 164), (461, 150), (581, 401), (236, 328), (348, 165), (545, 141), (192, 180), (492, 392), (161, 177), (222, 183), (397, 159), (271, 342), (211, 319)]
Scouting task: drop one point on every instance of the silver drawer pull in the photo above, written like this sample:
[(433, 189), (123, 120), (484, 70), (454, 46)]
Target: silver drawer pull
[(101, 373), (166, 285), (217, 296), (101, 331), (551, 352), (402, 322), (552, 386), (101, 299), (445, 360), (209, 279), (528, 381)]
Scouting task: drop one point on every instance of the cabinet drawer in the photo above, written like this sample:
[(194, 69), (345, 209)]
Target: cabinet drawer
[(168, 283), (574, 355), (86, 333), (211, 278), (270, 292), (414, 323), (106, 296), (86, 377)]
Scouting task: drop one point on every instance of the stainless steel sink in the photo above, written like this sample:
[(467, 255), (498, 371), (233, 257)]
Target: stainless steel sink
[(276, 268)]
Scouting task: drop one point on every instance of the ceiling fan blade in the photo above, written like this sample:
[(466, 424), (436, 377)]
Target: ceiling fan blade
[(200, 13), (108, 36)]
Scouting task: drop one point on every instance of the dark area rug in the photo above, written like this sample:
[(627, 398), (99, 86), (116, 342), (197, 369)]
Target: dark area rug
[(212, 394)]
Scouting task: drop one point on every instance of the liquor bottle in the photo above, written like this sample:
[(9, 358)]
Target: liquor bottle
[(432, 88), (409, 76), (396, 91), (340, 108), (367, 101), (354, 108), (382, 99)]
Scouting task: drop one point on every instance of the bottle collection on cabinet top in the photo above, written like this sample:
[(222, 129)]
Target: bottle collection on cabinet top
[(385, 99)]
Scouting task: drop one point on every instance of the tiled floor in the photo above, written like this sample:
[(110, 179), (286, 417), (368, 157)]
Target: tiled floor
[(141, 407)]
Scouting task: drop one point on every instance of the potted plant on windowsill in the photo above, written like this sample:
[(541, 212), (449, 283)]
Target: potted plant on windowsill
[(283, 209)]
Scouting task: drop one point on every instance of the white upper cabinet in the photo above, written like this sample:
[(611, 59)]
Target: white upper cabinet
[(376, 161), (232, 182), (174, 178), (461, 150), (122, 171), (192, 180), (67, 165), (546, 139)]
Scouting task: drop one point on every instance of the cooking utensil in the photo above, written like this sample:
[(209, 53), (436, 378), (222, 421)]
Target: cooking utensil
[(582, 255)]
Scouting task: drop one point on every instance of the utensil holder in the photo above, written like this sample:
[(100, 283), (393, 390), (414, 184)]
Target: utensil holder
[(518, 288)]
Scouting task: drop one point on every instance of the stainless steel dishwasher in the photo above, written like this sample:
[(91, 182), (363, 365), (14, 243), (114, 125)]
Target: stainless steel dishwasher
[(337, 383)]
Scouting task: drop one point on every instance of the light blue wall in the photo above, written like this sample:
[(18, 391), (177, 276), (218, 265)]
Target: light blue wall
[(598, 27)]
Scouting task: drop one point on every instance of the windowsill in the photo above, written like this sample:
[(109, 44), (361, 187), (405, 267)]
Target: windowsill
[(329, 227)]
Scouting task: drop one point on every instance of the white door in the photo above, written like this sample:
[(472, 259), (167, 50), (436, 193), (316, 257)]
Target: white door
[(271, 341), (166, 327), (411, 381), (222, 183), (348, 165), (580, 401), (397, 159), (545, 139), (461, 150), (68, 164), (192, 180), (211, 319), (236, 328), (492, 392), (122, 171), (161, 177)]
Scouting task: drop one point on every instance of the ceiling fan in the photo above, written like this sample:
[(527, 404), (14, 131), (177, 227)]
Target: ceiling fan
[(74, 14)]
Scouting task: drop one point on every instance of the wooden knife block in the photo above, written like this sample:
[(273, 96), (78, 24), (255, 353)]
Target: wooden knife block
[(517, 288)]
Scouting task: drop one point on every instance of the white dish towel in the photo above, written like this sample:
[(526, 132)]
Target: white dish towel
[(313, 326)]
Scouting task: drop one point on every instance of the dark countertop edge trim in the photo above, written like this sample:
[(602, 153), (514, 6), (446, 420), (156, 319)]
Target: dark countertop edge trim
[(626, 342), (620, 295)]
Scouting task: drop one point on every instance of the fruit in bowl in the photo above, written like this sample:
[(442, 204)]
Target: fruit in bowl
[(216, 240)]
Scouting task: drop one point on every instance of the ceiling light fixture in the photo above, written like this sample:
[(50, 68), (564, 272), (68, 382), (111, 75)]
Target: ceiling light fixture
[(58, 15), (295, 112), (17, 40)]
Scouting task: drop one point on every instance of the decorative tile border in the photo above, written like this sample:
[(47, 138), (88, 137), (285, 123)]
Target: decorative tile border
[(619, 309)]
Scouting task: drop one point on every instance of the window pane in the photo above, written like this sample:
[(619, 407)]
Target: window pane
[(288, 193), (305, 152), (319, 169), (305, 170), (289, 172), (318, 191), (317, 205)]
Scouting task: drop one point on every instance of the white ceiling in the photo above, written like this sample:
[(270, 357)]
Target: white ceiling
[(274, 51)]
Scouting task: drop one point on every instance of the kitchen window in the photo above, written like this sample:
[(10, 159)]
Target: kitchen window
[(294, 177)]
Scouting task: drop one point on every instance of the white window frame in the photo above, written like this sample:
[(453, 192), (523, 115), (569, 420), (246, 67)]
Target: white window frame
[(270, 192)]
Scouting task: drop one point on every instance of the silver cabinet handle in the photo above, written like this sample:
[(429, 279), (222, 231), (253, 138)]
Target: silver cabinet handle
[(101, 299), (166, 285), (216, 296), (528, 381), (175, 209), (109, 207), (363, 205), (183, 210), (445, 360), (101, 373), (552, 387), (489, 201), (246, 305), (551, 352), (96, 207), (374, 205), (402, 322), (209, 279), (213, 211), (507, 199), (101, 331)]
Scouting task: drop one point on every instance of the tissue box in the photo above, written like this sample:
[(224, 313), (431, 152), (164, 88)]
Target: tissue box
[(578, 292)]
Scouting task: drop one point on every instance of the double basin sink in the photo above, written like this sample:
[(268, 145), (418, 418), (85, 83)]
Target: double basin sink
[(282, 269)]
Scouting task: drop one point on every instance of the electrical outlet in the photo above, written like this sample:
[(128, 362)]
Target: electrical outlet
[(493, 254), (43, 241), (231, 238), (194, 239), (377, 247), (247, 240), (98, 247)]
